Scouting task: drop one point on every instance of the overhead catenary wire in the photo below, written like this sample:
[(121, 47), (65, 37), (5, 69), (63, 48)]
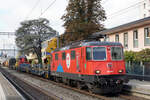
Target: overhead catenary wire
[(32, 10), (124, 10), (47, 8), (27, 14)]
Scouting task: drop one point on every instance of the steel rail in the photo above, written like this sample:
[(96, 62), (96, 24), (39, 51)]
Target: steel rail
[(29, 91)]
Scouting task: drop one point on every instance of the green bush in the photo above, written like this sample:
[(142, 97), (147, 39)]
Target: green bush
[(129, 56), (143, 55)]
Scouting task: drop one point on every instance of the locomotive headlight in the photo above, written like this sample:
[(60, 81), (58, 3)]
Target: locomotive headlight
[(120, 71), (97, 71)]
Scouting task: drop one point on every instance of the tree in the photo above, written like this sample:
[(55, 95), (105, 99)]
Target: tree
[(83, 18), (31, 34)]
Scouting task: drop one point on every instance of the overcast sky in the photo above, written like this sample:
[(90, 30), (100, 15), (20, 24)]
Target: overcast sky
[(12, 12), (121, 11)]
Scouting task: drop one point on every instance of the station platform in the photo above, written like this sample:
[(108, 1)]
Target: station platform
[(8, 91), (140, 87)]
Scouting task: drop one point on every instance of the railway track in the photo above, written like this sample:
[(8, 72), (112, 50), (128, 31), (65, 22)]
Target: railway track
[(28, 91), (125, 96), (122, 96), (37, 96)]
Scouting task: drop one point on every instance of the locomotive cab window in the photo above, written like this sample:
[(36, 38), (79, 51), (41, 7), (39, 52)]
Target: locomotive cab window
[(56, 56), (88, 53), (63, 56), (73, 54), (116, 53), (99, 53)]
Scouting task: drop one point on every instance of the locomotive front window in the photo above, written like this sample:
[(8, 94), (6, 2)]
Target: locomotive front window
[(116, 53), (88, 53), (99, 53)]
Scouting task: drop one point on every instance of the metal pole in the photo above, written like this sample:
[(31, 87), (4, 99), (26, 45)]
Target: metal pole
[(130, 67), (143, 71), (14, 51), (57, 34)]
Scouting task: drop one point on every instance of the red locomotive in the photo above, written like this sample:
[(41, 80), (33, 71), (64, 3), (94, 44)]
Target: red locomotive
[(98, 66)]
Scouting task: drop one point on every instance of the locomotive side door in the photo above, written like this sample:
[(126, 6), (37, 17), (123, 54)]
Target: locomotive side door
[(82, 61), (78, 58), (56, 61)]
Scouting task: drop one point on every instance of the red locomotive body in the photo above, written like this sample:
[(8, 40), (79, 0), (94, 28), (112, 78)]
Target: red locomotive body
[(99, 66)]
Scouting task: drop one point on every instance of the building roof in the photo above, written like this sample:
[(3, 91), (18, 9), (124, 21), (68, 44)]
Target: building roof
[(127, 26)]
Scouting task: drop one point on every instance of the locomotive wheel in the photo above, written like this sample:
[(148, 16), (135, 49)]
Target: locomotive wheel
[(92, 89), (73, 83), (79, 86), (57, 80), (64, 81)]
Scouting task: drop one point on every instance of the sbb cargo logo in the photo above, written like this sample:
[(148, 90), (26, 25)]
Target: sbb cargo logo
[(68, 60)]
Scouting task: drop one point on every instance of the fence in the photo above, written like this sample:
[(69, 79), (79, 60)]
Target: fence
[(138, 70)]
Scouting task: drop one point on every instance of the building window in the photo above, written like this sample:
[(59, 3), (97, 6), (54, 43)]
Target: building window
[(146, 37), (56, 56), (63, 56), (135, 39), (126, 40), (106, 38), (144, 5), (73, 54), (144, 15), (117, 38)]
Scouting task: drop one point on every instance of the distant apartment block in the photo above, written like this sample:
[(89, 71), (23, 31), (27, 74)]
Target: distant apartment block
[(134, 36)]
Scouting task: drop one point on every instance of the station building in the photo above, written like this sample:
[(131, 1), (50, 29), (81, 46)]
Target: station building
[(134, 36)]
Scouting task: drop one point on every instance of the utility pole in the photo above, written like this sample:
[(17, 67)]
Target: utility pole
[(57, 35), (14, 51)]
